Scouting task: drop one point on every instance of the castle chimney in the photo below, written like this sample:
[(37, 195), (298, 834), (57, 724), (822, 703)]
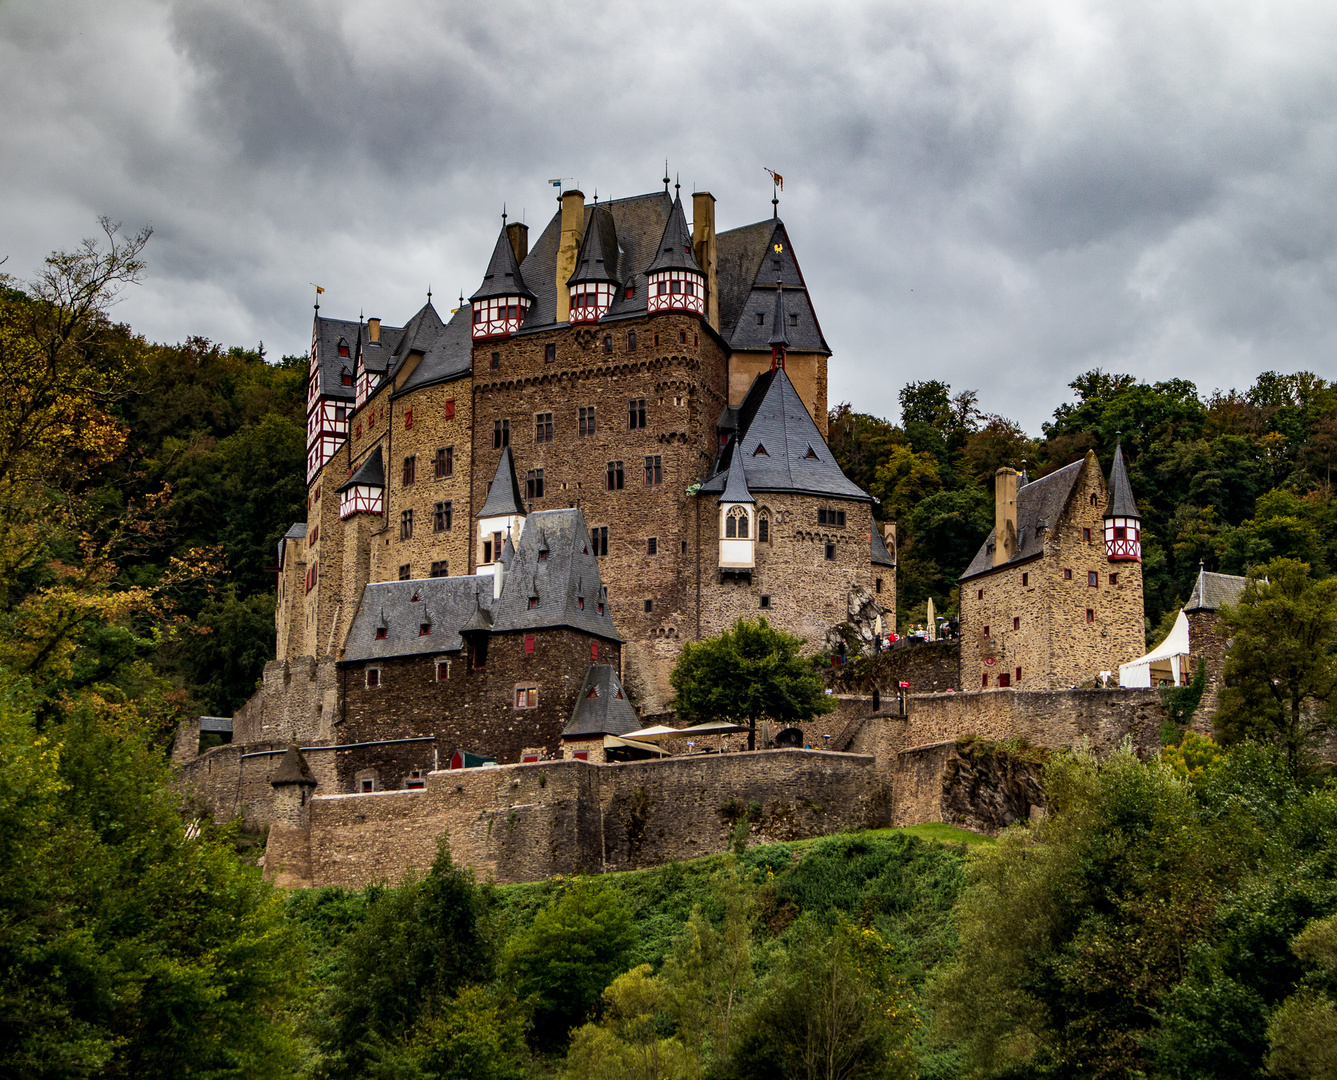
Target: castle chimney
[(706, 251), (1005, 515), (374, 330), (568, 248), (517, 232)]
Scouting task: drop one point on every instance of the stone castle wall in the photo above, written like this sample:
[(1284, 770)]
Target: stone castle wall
[(527, 822), (233, 781)]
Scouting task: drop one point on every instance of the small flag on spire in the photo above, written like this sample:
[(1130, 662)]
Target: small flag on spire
[(776, 178), (319, 289)]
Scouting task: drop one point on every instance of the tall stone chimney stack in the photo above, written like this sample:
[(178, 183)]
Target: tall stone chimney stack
[(568, 248), (517, 232), (374, 330), (706, 251), (1005, 515)]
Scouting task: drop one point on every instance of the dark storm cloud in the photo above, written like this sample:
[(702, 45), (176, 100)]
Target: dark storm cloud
[(1002, 195)]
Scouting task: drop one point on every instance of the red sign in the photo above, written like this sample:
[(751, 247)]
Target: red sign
[(988, 660), (905, 685)]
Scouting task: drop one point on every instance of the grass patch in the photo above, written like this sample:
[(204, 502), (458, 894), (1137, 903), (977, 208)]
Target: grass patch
[(945, 834)]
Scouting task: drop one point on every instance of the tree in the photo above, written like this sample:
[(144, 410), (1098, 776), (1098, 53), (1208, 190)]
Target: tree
[(562, 961), (1302, 1034), (748, 673), (628, 1041), (1281, 668)]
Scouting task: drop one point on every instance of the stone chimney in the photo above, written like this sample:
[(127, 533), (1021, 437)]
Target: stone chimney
[(706, 251), (1005, 515), (568, 248), (517, 232), (374, 330)]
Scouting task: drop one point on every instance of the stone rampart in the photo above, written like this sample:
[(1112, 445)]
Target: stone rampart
[(528, 822), (232, 781)]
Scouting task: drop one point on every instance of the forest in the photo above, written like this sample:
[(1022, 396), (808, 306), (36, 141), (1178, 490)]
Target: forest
[(1174, 917)]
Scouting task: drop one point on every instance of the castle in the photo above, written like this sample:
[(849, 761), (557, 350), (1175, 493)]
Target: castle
[(516, 516)]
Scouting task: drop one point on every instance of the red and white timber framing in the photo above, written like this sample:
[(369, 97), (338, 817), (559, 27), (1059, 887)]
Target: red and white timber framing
[(361, 499), (676, 290), (499, 316), (1123, 539), (590, 301)]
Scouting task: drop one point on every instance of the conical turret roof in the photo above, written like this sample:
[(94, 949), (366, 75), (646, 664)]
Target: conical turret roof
[(598, 260), (371, 473), (735, 483), (503, 273), (1121, 502), (293, 769), (675, 248), (504, 498)]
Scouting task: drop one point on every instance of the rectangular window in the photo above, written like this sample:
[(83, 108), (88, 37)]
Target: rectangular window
[(440, 568), (615, 476), (526, 697), (501, 434), (761, 318), (406, 572), (442, 670), (549, 352), (480, 652), (450, 409), (682, 337), (445, 462), (1004, 679), (765, 601), (1067, 575), (1114, 579), (1090, 615), (1086, 534), (586, 421), (631, 334), (1016, 622), (373, 678), (831, 552), (984, 680), (1120, 533), (608, 344), (831, 517), (793, 320), (1025, 580), (382, 633), (1017, 676), (529, 644), (636, 413), (654, 470), (534, 484), (495, 364), (443, 515), (1093, 579), (581, 755), (599, 538), (649, 607), (487, 551), (986, 629), (652, 546), (410, 470), (406, 525), (408, 419), (878, 584), (543, 427), (979, 595)]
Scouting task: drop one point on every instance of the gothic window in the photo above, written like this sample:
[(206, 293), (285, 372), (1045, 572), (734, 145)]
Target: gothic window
[(764, 528), (735, 524)]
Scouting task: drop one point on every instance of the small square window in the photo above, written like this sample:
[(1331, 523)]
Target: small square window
[(830, 552), (1067, 575), (1004, 679), (649, 607), (1016, 622), (529, 644), (761, 318), (367, 785), (526, 697), (765, 601), (652, 546), (984, 679), (381, 633), (533, 602), (406, 572), (1120, 532), (1090, 615), (1093, 579), (979, 594), (1114, 579)]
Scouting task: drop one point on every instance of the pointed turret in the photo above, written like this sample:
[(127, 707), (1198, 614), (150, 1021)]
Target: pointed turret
[(503, 513), (674, 279), (779, 337), (502, 301), (594, 283), (738, 530), (364, 491), (1123, 521)]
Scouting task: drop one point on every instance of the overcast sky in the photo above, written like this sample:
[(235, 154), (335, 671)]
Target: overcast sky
[(999, 194)]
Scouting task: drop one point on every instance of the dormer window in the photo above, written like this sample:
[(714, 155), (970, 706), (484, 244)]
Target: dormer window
[(346, 377), (381, 633), (424, 629), (760, 451), (343, 347)]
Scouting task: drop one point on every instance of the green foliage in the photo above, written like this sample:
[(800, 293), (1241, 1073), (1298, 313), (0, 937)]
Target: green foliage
[(477, 1035), (562, 961), (1181, 702), (1194, 754), (629, 1041), (748, 673), (1281, 667)]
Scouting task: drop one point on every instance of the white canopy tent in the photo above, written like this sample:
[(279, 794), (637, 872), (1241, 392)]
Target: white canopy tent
[(1167, 662)]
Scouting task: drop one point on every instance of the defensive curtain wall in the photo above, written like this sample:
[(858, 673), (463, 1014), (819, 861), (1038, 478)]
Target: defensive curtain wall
[(526, 822)]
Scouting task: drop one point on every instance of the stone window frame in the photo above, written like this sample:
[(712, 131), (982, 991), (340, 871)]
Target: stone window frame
[(1090, 615), (1114, 579), (372, 678), (654, 470), (414, 781), (367, 781), (410, 469), (443, 516), (586, 421), (405, 571), (832, 517), (1017, 677), (443, 462), (440, 568), (764, 602), (738, 523), (1086, 534), (526, 695), (1093, 579), (543, 427), (615, 477), (636, 415), (442, 670), (406, 524), (501, 433), (763, 526), (830, 552), (534, 484), (877, 586), (1025, 578)]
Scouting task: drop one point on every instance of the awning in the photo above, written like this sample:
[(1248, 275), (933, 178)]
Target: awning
[(654, 734), (718, 728), (612, 741), (1163, 661)]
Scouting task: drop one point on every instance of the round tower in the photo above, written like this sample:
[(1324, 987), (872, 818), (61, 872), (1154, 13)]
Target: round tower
[(674, 279), (502, 302), (1123, 523)]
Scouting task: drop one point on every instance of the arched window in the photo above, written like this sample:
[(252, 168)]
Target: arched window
[(735, 524), (764, 529)]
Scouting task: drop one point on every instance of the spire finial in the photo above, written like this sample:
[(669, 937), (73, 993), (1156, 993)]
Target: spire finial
[(677, 187), (503, 215), (666, 176), (777, 185), (429, 292), (319, 290)]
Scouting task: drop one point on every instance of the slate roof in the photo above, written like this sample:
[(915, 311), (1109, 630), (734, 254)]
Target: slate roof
[(601, 706), (881, 556), (371, 473), (1211, 592), (329, 333), (796, 456), (1121, 502), (675, 245), (295, 532), (502, 277), (459, 605), (503, 496), (778, 336), (293, 769), (450, 356), (735, 483), (1042, 500), (747, 277), (599, 258)]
